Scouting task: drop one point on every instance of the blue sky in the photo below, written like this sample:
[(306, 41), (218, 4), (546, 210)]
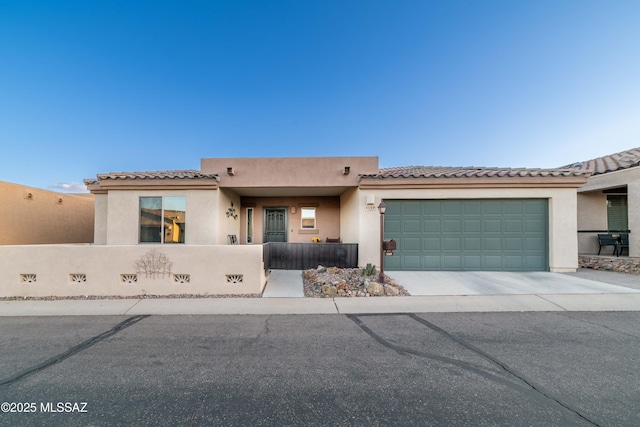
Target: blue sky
[(94, 87)]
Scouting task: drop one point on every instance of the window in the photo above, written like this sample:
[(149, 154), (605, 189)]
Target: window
[(308, 218), (617, 216), (162, 219)]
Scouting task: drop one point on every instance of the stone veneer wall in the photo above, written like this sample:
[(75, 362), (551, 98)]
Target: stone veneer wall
[(620, 265)]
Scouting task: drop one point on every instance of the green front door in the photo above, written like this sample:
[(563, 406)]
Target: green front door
[(468, 235), (275, 225)]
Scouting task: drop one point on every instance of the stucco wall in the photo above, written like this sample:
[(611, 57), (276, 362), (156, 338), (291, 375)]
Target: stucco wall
[(35, 216), (227, 224), (207, 267), (123, 216), (327, 217), (563, 246), (101, 215), (349, 216), (592, 215), (290, 171), (630, 178)]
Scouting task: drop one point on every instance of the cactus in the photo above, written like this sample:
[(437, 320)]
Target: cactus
[(369, 270)]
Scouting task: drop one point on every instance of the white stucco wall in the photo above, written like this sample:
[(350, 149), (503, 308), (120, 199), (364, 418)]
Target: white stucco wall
[(123, 216), (227, 225), (350, 216), (563, 244), (101, 221), (629, 177), (633, 200), (103, 265)]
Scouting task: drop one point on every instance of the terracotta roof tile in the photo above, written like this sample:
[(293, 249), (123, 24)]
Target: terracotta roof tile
[(613, 162), (471, 172), (172, 174)]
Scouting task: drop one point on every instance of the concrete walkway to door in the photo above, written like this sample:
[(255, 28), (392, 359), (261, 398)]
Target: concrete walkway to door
[(432, 283)]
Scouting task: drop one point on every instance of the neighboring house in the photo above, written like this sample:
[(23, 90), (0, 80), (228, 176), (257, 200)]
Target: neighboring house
[(204, 231), (610, 200), (33, 216)]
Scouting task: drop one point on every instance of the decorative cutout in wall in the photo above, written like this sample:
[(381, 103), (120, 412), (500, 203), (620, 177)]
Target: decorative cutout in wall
[(234, 278), (231, 212), (27, 278), (128, 278), (181, 278), (153, 264), (78, 278)]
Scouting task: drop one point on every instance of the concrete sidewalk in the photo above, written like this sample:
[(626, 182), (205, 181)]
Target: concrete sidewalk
[(432, 292), (412, 304)]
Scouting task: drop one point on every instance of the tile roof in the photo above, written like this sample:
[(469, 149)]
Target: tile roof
[(172, 174), (471, 172), (613, 162)]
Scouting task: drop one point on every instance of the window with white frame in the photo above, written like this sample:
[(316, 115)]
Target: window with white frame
[(162, 219), (308, 218)]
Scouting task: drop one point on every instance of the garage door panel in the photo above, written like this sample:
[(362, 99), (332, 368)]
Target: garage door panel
[(491, 207), (451, 207), (493, 243), (513, 226), (412, 208), (534, 225), (431, 225), (431, 244), (513, 207), (452, 262), (411, 243), (535, 208), (492, 262), (498, 234), (411, 226), (452, 226), (535, 263), (513, 262), (512, 244), (472, 208), (472, 244), (392, 225), (452, 243), (472, 225), (431, 208), (473, 262), (432, 262), (412, 262), (492, 225), (532, 244)]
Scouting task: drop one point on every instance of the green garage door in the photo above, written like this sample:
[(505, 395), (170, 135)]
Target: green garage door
[(472, 235)]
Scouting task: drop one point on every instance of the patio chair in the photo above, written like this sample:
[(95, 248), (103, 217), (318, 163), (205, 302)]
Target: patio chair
[(607, 240), (624, 243)]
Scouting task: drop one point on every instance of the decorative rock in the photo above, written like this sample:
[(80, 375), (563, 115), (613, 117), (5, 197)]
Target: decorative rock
[(619, 265), (343, 286), (391, 291), (375, 288)]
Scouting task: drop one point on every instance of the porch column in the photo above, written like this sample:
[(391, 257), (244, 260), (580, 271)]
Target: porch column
[(633, 209)]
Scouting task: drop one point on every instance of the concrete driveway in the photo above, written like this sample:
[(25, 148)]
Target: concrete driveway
[(511, 283)]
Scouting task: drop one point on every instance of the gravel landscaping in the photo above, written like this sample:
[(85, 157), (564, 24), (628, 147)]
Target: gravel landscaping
[(324, 282)]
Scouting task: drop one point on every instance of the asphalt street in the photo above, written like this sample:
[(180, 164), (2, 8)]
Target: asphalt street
[(460, 369)]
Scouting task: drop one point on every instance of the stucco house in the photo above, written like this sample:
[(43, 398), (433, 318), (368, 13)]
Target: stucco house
[(33, 216), (610, 200), (216, 230)]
